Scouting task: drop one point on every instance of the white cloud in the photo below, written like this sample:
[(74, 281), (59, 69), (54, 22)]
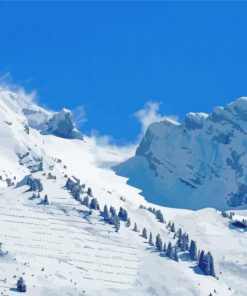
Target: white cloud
[(24, 98), (106, 152), (109, 154), (79, 116), (149, 114)]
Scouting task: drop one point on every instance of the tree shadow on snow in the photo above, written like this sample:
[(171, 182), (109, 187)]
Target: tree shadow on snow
[(14, 290), (184, 257), (197, 269), (237, 225)]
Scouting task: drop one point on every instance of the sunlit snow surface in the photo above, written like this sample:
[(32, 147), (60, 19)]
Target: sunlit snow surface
[(61, 250)]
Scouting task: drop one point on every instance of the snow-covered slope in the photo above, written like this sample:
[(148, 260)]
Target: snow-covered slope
[(64, 248), (198, 163)]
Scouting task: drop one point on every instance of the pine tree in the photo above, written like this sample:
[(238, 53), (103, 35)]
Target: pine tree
[(90, 192), (164, 248), (86, 201), (175, 255), (158, 243), (179, 233), (193, 250), (128, 223), (135, 228), (198, 256), (106, 213), (116, 223), (169, 252), (123, 215), (212, 270), (144, 233), (34, 196), (21, 286), (208, 267), (150, 240), (207, 264), (46, 201), (183, 243), (94, 205), (201, 262), (112, 210), (159, 216), (172, 227)]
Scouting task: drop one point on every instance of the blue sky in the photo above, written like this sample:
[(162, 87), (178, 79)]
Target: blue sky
[(113, 57)]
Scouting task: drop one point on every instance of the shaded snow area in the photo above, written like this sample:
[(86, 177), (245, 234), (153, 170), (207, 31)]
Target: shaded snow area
[(198, 163), (54, 236)]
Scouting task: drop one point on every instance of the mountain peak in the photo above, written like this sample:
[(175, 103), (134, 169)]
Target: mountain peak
[(199, 163)]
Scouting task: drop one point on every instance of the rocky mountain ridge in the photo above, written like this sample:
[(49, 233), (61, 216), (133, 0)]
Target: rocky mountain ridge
[(198, 163)]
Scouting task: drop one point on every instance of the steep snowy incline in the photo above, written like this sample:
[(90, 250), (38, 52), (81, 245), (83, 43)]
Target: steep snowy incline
[(198, 163), (21, 125), (59, 248), (62, 246)]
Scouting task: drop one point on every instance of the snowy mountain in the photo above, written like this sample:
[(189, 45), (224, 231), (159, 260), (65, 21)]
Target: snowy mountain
[(198, 163), (72, 227)]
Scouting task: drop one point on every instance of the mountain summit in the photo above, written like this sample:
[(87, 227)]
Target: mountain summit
[(198, 163)]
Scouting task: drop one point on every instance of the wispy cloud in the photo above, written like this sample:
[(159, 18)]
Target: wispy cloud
[(107, 152), (24, 98), (79, 116), (112, 154), (149, 114)]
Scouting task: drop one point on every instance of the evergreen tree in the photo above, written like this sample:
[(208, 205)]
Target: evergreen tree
[(187, 247), (150, 240), (201, 262), (144, 233), (21, 286), (86, 201), (208, 267), (128, 223), (116, 223), (123, 215), (172, 227), (135, 228), (164, 248), (159, 216), (94, 205), (106, 213), (183, 243), (198, 256), (175, 255), (112, 210), (179, 233), (158, 243), (169, 252), (46, 201), (193, 250), (212, 270), (34, 196), (90, 192)]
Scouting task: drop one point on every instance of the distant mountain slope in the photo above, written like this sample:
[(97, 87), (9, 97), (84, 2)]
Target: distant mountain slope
[(199, 163)]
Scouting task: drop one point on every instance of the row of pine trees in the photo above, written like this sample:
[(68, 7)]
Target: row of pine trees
[(204, 260)]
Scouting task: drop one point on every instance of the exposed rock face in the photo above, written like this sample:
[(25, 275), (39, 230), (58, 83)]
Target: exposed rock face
[(200, 162), (61, 124)]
